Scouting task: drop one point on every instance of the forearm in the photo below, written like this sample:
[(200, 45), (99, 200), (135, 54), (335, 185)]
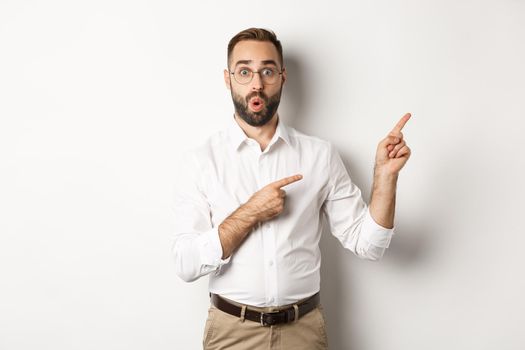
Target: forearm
[(263, 205), (235, 228), (383, 201)]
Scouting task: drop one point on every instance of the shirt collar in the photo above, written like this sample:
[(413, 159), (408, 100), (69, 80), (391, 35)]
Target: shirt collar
[(238, 137)]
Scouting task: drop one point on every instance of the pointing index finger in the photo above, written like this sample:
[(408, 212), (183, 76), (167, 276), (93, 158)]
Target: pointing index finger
[(287, 180), (401, 123)]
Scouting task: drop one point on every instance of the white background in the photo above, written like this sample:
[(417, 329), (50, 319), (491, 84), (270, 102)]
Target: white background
[(99, 98)]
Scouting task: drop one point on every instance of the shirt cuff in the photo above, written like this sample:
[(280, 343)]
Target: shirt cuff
[(374, 233), (211, 249)]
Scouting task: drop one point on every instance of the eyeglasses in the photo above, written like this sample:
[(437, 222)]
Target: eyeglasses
[(244, 75)]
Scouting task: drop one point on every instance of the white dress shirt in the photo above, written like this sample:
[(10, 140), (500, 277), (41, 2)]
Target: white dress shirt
[(279, 261)]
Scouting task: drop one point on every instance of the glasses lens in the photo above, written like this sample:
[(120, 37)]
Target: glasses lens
[(243, 75), (268, 75)]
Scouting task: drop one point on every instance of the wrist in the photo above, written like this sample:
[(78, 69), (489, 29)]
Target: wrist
[(383, 175), (384, 184)]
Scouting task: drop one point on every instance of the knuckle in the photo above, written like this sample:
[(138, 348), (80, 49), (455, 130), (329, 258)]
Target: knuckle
[(398, 134)]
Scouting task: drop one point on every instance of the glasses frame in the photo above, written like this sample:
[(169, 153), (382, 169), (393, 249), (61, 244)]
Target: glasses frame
[(253, 71)]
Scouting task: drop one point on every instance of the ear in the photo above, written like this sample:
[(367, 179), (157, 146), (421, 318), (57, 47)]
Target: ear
[(284, 74), (227, 78)]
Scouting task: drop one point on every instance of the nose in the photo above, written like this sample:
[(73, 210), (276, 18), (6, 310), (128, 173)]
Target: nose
[(257, 83)]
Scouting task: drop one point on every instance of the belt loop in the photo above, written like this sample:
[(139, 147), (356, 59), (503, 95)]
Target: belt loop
[(296, 308), (243, 312)]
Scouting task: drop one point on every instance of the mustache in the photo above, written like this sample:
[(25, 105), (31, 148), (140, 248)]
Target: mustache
[(258, 94)]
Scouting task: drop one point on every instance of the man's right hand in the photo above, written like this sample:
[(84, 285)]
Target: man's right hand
[(263, 205), (268, 202)]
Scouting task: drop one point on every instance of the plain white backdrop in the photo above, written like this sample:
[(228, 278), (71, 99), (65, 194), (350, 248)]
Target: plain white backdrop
[(99, 98)]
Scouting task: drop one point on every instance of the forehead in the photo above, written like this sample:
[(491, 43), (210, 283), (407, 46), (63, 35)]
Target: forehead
[(256, 51)]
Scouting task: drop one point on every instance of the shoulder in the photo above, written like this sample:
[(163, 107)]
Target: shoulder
[(206, 150)]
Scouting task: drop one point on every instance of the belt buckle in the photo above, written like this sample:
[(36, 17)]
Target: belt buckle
[(270, 321)]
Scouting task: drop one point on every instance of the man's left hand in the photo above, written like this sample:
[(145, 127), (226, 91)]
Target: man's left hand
[(393, 152)]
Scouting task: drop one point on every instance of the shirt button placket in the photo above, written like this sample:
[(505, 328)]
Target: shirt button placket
[(268, 235)]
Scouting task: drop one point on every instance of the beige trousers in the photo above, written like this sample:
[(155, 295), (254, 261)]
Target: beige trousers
[(226, 332)]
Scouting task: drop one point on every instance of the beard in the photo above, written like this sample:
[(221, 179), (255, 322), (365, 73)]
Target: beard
[(256, 118)]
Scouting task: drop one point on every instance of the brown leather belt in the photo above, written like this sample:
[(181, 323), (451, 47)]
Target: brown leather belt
[(267, 318)]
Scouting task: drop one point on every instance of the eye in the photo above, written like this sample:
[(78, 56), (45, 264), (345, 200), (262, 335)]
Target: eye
[(268, 72), (244, 72)]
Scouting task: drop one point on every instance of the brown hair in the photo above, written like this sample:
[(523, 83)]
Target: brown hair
[(258, 34)]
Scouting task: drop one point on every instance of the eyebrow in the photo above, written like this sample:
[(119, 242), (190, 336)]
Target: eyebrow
[(265, 62)]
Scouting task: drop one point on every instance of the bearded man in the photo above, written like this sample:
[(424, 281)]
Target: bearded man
[(249, 206)]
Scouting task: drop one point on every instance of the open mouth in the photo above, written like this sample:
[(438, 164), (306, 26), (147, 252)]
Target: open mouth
[(256, 104)]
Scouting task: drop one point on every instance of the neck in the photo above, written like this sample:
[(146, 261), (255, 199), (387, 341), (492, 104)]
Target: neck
[(262, 134)]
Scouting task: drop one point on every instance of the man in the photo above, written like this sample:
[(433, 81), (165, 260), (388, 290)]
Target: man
[(249, 206)]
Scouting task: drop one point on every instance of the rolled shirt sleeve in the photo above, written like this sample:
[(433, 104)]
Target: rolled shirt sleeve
[(349, 216), (375, 238), (196, 245)]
